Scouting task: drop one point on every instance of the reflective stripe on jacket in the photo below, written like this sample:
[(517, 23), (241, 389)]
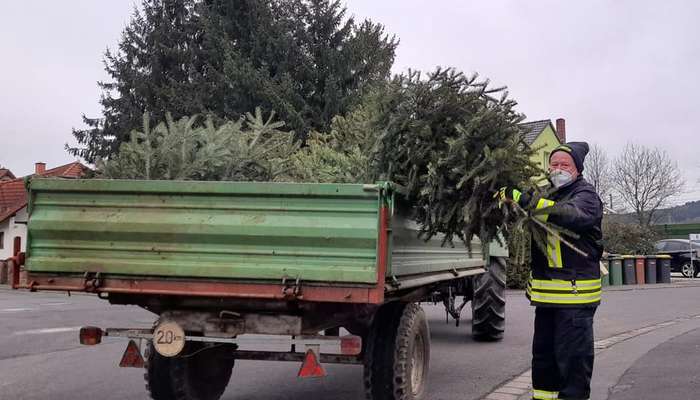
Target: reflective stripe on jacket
[(562, 277)]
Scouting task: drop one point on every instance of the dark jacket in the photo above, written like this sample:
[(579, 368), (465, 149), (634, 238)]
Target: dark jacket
[(567, 278)]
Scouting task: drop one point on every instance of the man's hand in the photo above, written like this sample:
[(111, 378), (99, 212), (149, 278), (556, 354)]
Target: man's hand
[(509, 194)]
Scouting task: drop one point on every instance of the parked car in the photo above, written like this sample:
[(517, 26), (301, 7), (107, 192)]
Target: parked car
[(680, 252)]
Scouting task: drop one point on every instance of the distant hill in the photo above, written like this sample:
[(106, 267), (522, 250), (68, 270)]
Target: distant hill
[(687, 213)]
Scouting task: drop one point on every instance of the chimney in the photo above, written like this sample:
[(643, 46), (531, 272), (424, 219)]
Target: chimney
[(561, 129), (40, 167)]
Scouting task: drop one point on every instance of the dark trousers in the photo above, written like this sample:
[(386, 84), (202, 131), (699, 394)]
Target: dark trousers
[(562, 352)]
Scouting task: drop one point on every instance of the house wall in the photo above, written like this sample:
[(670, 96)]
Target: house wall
[(544, 144), (10, 229)]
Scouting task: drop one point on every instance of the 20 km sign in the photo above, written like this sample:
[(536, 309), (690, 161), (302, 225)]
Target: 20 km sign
[(168, 339)]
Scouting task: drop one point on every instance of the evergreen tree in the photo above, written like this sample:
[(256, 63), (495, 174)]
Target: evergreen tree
[(452, 141), (345, 153), (304, 59), (254, 148), (150, 73)]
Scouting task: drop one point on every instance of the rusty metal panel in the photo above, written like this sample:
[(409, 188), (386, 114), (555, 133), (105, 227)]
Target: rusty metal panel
[(260, 231), (354, 293)]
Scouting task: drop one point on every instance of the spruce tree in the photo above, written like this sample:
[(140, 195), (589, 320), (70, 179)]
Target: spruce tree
[(304, 59), (253, 148), (452, 141), (150, 73)]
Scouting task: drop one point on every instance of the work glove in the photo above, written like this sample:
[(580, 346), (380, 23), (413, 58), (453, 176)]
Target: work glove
[(508, 194)]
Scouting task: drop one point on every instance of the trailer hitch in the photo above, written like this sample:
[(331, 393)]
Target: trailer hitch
[(450, 308), (92, 283), (290, 289)]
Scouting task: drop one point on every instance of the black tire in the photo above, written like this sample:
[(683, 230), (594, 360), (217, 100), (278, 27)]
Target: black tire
[(201, 372), (397, 354), (489, 303), (689, 270), (157, 375)]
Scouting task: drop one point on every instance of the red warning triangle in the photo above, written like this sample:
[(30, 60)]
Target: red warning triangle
[(132, 356), (311, 368)]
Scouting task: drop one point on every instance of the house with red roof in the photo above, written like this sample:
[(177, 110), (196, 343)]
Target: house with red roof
[(6, 175), (13, 202)]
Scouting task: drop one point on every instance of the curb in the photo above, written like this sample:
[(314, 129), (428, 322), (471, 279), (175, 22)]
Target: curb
[(626, 288), (519, 388), (672, 285)]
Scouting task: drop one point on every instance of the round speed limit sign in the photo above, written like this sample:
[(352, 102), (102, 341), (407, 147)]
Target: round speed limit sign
[(168, 339)]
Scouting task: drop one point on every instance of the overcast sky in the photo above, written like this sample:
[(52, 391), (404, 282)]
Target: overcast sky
[(617, 71)]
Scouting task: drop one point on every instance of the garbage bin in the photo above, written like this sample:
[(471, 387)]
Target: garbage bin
[(605, 279), (628, 275), (640, 261), (616, 271), (650, 269), (3, 273), (663, 268)]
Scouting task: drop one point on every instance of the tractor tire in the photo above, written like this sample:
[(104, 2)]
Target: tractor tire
[(157, 374), (489, 302), (201, 372), (397, 353)]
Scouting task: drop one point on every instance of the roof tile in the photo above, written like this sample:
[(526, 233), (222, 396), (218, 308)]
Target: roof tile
[(13, 195), (532, 130)]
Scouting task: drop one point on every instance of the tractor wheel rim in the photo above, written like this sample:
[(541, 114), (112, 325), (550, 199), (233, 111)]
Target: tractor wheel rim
[(417, 364)]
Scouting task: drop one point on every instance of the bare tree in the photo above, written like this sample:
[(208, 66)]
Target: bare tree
[(597, 171), (646, 180)]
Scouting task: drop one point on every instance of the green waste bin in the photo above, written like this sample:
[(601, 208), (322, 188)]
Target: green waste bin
[(629, 276), (663, 268), (650, 269), (605, 279), (616, 271)]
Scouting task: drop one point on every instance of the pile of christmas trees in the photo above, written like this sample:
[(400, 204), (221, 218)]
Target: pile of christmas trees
[(449, 139)]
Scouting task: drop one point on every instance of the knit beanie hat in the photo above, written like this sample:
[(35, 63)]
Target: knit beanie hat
[(577, 151)]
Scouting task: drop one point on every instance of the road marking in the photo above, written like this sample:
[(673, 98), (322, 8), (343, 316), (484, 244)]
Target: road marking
[(48, 330), (520, 386), (11, 310), (22, 309)]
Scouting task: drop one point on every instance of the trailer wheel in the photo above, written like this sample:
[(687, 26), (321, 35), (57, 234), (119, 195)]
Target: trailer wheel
[(489, 303), (201, 372), (157, 375), (397, 354)]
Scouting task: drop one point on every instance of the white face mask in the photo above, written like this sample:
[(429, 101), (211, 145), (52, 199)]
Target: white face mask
[(560, 178)]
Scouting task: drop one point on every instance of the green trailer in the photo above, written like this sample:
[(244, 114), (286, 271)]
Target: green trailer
[(222, 263)]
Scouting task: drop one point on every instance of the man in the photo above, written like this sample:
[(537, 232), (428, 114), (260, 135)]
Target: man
[(564, 284)]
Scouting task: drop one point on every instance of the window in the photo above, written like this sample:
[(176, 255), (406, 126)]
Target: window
[(676, 246), (660, 246), (2, 240)]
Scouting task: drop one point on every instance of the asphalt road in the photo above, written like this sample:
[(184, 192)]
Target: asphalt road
[(41, 359), (669, 371)]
